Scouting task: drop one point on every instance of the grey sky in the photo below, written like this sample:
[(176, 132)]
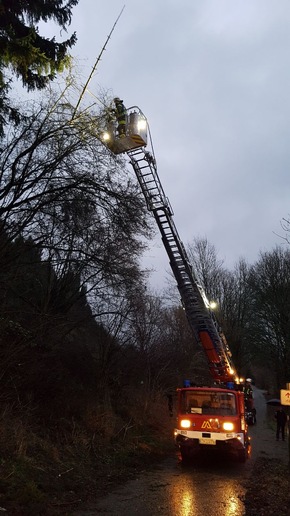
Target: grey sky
[(213, 79)]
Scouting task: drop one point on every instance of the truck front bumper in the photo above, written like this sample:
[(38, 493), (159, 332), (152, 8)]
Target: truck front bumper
[(193, 442)]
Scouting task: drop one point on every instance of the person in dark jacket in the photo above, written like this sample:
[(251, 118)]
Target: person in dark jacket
[(254, 412), (281, 419), (121, 116)]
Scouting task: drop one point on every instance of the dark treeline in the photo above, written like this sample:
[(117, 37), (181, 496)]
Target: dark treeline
[(253, 309), (89, 356)]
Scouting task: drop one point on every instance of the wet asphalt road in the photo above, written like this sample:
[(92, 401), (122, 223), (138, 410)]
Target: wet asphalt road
[(213, 486)]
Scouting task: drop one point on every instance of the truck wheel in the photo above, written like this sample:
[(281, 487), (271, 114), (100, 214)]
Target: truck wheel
[(242, 455), (184, 455)]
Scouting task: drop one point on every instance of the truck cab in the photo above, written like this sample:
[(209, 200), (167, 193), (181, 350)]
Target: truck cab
[(211, 418)]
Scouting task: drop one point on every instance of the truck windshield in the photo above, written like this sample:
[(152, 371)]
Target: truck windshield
[(208, 402)]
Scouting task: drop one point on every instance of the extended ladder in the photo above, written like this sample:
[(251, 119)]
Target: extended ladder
[(200, 317)]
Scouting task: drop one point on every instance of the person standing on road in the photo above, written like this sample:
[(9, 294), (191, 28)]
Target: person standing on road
[(281, 419)]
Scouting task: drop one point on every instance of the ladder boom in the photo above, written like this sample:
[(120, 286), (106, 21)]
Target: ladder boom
[(200, 317)]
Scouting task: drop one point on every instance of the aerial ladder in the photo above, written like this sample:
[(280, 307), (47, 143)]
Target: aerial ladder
[(134, 143), (199, 314)]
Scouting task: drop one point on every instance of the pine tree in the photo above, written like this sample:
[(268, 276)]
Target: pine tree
[(36, 60)]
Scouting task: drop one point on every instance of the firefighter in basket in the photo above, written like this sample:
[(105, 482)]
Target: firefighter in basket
[(121, 116)]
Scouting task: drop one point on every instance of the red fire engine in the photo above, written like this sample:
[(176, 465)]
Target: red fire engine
[(208, 417)]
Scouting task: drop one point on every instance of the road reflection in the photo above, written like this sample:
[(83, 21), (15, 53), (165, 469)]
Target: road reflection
[(209, 487), (213, 490), (186, 502)]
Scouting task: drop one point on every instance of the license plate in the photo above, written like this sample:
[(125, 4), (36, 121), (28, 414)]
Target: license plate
[(203, 440)]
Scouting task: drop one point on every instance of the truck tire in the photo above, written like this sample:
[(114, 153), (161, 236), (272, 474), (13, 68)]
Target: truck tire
[(185, 456), (242, 455)]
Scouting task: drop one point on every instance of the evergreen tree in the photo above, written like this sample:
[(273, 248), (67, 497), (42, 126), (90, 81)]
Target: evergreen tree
[(32, 57)]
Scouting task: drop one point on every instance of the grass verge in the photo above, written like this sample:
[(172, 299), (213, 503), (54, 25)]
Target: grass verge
[(268, 489)]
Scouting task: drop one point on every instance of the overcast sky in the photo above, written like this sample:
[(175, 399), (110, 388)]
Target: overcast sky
[(213, 79)]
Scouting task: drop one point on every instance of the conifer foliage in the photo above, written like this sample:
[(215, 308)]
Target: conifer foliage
[(33, 58)]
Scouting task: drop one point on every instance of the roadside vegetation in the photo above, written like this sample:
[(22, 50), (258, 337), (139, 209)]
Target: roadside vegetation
[(90, 355), (268, 489)]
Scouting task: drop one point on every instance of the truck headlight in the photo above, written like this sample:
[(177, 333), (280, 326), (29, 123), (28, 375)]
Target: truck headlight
[(228, 426), (185, 423)]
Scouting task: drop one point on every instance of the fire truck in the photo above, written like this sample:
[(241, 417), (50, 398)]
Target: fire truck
[(209, 417)]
